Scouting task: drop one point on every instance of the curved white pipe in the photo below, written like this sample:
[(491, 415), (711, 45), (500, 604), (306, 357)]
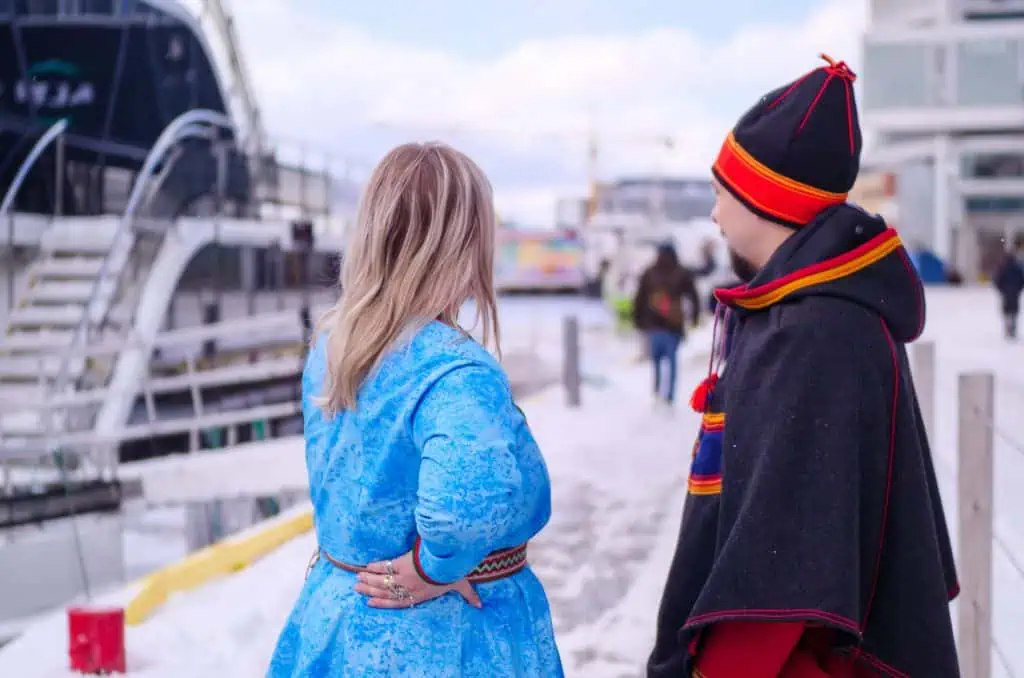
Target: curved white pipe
[(55, 130), (176, 130)]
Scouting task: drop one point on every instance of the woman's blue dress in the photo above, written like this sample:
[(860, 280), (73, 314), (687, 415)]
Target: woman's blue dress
[(436, 447)]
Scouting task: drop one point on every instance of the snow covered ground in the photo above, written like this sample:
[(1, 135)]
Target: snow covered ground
[(966, 330), (618, 471)]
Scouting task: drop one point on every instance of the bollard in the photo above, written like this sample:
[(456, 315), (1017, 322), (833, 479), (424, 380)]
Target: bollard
[(96, 640), (571, 360), (923, 371), (975, 474)]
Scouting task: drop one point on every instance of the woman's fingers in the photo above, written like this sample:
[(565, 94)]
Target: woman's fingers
[(466, 590), (380, 595), (382, 585), (378, 581), (372, 591), (381, 580), (381, 567)]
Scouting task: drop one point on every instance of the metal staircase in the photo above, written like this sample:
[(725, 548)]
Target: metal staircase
[(80, 294), (79, 300)]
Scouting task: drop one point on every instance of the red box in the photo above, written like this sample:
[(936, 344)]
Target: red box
[(96, 640)]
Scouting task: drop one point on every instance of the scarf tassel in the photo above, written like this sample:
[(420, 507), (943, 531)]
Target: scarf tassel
[(701, 397)]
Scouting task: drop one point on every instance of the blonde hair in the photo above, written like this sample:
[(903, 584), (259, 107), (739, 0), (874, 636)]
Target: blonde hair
[(423, 245)]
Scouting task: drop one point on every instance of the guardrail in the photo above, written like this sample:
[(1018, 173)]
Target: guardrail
[(49, 136), (272, 348), (223, 558), (186, 125), (984, 443)]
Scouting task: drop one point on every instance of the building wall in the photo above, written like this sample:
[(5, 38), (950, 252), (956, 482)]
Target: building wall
[(916, 204), (875, 191), (944, 94), (903, 196), (666, 198), (905, 11)]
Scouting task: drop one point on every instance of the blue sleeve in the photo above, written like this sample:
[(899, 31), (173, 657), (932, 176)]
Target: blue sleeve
[(472, 498), (313, 374)]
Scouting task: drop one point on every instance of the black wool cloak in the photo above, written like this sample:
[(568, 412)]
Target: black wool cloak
[(812, 491)]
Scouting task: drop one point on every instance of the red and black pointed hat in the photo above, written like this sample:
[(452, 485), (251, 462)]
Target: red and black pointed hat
[(797, 151)]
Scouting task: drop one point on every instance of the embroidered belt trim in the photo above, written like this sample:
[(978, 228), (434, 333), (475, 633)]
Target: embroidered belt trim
[(498, 565)]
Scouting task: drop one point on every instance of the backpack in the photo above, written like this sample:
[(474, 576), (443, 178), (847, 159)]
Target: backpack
[(663, 303)]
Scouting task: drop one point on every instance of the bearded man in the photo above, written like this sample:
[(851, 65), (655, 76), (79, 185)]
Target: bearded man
[(813, 541)]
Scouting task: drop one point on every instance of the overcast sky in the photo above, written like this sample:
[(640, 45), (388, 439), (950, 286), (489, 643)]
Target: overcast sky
[(517, 83)]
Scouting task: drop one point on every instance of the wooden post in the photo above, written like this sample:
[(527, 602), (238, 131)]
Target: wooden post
[(924, 384), (571, 360), (975, 473)]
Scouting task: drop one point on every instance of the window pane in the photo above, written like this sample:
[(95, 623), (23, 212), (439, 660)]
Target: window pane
[(105, 7), (904, 11), (901, 76), (980, 203), (988, 73), (1002, 9), (993, 165), (36, 7)]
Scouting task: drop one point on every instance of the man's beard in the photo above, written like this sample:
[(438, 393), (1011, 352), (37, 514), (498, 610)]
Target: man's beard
[(741, 267)]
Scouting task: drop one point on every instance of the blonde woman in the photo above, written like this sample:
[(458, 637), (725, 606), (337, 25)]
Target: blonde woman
[(425, 479)]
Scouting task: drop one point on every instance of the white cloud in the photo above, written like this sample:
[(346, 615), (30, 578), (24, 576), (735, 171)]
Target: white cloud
[(323, 81)]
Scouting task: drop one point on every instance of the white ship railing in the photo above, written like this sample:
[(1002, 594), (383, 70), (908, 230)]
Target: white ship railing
[(48, 137), (186, 125), (282, 331)]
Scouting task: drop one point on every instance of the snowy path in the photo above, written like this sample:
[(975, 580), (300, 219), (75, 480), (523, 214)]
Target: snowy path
[(617, 468), (618, 471), (967, 335)]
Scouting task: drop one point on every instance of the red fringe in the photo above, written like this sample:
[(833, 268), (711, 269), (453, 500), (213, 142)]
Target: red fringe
[(702, 394)]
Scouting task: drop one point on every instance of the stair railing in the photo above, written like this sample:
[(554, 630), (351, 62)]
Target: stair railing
[(54, 131), (189, 124), (152, 187)]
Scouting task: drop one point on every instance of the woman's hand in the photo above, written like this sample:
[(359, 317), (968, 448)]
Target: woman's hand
[(394, 584)]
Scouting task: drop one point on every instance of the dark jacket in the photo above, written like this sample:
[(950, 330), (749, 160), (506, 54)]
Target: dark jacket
[(812, 491), (657, 304), (1009, 281), (713, 300)]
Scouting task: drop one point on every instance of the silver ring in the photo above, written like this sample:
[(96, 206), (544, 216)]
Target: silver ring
[(389, 567)]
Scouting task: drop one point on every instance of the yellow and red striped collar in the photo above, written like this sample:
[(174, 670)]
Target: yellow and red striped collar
[(842, 266)]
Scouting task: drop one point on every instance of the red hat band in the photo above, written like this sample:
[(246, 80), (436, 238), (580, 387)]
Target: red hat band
[(767, 191)]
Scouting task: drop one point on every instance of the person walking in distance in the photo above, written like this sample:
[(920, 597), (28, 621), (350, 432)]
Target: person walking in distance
[(1009, 282), (658, 312), (426, 481), (813, 540)]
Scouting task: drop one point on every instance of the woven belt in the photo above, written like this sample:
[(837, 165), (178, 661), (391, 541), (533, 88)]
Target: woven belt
[(498, 565)]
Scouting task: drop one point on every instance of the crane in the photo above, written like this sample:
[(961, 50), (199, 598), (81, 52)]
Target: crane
[(594, 142), (241, 90)]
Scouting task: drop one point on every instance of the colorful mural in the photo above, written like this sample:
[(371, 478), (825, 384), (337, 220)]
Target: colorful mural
[(539, 260)]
